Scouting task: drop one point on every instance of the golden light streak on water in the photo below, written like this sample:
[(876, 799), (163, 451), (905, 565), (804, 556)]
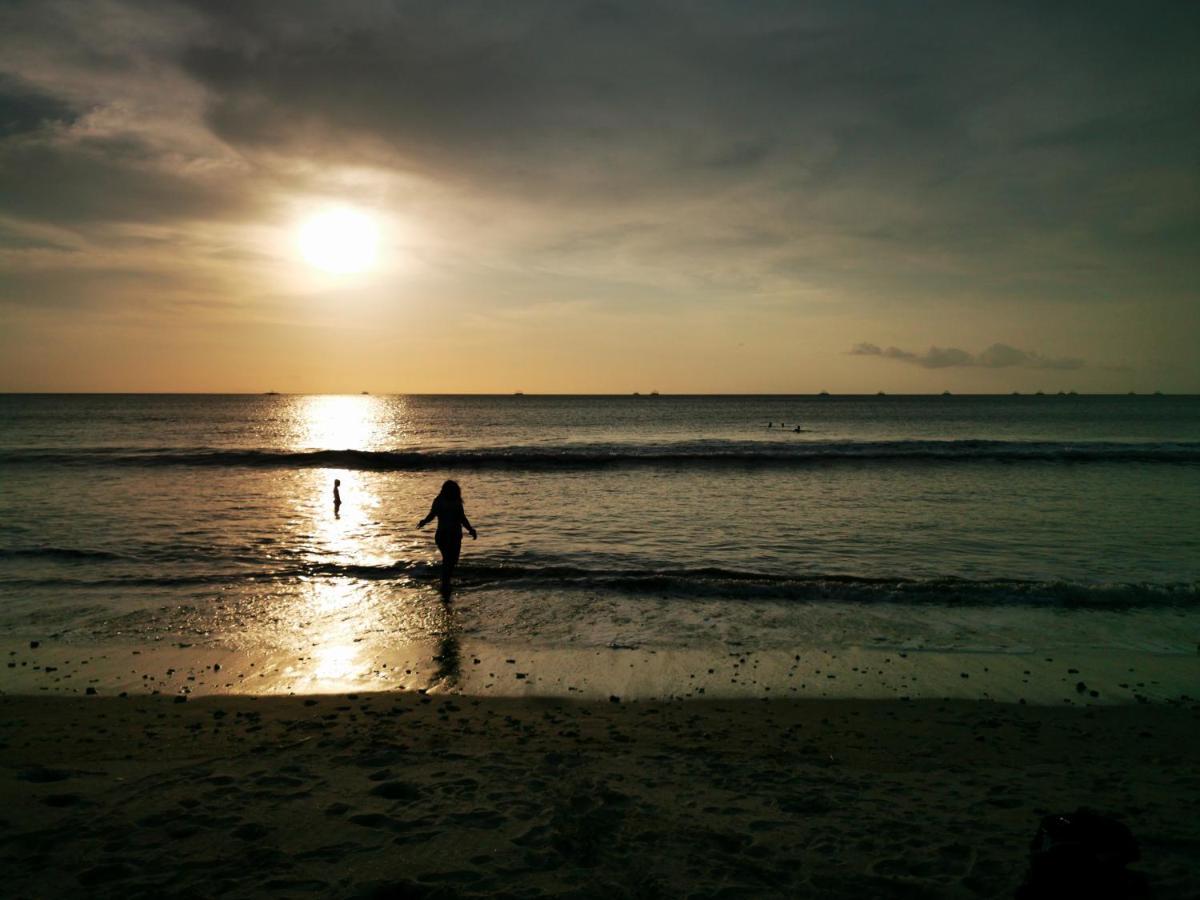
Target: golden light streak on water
[(348, 422)]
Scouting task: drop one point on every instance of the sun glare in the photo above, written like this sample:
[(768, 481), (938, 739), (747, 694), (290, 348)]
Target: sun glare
[(341, 241), (336, 422)]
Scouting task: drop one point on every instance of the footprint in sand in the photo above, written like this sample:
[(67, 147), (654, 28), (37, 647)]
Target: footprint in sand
[(486, 819), (406, 827), (251, 831), (396, 790), (374, 820), (64, 801), (106, 873), (302, 885), (42, 775), (335, 852)]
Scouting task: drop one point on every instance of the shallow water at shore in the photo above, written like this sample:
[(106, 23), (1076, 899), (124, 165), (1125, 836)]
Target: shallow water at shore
[(663, 528)]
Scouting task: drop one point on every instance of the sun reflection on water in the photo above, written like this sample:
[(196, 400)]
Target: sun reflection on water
[(345, 422), (333, 664), (346, 532), (340, 635), (357, 621), (335, 616)]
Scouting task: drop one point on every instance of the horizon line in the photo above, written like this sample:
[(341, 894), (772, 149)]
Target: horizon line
[(643, 395)]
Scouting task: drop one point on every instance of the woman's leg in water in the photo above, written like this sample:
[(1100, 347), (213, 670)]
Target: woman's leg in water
[(450, 550)]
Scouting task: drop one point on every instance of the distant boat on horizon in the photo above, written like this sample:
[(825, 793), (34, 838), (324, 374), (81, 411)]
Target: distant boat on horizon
[(270, 393), (823, 394), (947, 394)]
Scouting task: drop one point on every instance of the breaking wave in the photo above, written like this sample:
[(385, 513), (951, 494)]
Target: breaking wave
[(684, 584), (696, 454)]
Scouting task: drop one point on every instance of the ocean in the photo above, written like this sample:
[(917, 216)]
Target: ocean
[(665, 527)]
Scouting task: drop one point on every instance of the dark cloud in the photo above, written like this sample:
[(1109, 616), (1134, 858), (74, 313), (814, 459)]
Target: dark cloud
[(997, 356), (878, 158), (952, 94), (15, 239), (24, 109), (580, 98), (961, 129), (72, 180), (93, 132), (959, 149)]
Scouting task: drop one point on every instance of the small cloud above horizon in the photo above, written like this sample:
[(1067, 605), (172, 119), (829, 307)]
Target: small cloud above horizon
[(997, 356)]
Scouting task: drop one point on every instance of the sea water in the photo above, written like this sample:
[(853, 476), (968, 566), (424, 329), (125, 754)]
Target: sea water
[(729, 525)]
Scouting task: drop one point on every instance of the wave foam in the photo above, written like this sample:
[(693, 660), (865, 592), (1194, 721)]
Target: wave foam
[(590, 456), (700, 583)]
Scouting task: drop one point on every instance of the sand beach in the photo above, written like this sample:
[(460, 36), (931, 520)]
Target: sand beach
[(407, 794)]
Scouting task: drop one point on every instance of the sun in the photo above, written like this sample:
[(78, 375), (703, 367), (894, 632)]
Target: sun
[(340, 241)]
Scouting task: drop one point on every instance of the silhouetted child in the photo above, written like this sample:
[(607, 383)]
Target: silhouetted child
[(448, 509), (337, 494)]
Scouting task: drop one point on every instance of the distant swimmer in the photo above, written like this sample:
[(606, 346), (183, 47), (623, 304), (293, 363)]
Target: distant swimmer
[(797, 430), (448, 509), (770, 424), (337, 495)]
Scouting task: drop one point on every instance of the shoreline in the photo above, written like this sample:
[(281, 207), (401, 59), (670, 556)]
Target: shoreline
[(449, 663), (410, 794)]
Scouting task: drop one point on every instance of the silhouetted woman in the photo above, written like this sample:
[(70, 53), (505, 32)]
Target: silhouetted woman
[(452, 518)]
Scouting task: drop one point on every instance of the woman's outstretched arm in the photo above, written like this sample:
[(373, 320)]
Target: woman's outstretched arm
[(467, 523), (432, 515)]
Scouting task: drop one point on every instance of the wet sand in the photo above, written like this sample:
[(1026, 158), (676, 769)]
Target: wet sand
[(403, 794), (378, 662)]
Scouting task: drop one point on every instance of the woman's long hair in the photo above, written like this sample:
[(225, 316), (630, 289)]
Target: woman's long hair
[(451, 493)]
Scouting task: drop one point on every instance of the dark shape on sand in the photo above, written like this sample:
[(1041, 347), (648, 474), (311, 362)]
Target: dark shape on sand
[(448, 509), (1082, 854)]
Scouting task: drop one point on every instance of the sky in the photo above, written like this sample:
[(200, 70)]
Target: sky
[(601, 197)]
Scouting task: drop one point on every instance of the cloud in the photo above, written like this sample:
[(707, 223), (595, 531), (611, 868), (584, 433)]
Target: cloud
[(66, 177), (811, 162), (982, 151), (24, 108), (99, 127), (997, 356), (871, 153)]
